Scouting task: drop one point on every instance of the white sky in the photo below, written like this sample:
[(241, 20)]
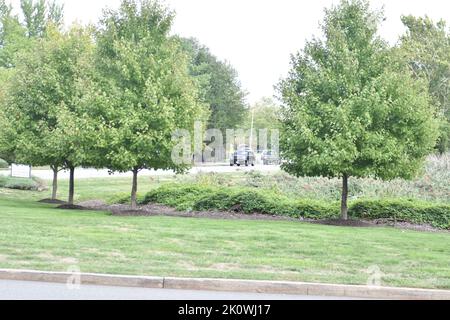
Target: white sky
[(258, 36)]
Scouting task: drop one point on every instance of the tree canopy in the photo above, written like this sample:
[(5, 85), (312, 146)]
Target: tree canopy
[(219, 87), (146, 90), (45, 101), (265, 115), (39, 15), (18, 31), (426, 49), (350, 108)]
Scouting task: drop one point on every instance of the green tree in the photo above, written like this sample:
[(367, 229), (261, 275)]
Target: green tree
[(12, 36), (16, 39), (38, 15), (219, 87), (7, 134), (264, 114), (12, 41), (45, 103), (16, 36), (146, 90), (350, 109), (426, 49)]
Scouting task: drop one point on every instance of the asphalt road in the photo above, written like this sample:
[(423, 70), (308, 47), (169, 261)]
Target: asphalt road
[(21, 290)]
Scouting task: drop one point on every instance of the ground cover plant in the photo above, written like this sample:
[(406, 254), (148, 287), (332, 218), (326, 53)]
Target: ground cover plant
[(432, 184), (191, 197), (33, 184)]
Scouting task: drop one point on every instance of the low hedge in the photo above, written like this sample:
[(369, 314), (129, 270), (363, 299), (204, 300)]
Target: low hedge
[(202, 198), (33, 184), (250, 200), (3, 164), (418, 212), (123, 198), (181, 197)]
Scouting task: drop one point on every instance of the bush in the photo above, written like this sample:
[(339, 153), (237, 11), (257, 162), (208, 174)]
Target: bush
[(246, 200), (33, 184), (437, 215), (181, 197), (253, 200), (124, 198), (3, 164)]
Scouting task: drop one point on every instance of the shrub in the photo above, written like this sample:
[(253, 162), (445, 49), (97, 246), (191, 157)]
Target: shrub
[(246, 200), (253, 200), (312, 209), (124, 198), (219, 200), (181, 197), (437, 215), (3, 164), (33, 184), (432, 185)]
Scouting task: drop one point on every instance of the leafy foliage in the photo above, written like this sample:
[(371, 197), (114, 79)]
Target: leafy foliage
[(431, 185), (39, 15), (33, 184), (3, 164), (246, 200), (426, 49), (12, 36), (7, 132), (250, 200), (402, 210), (44, 104), (350, 108), (265, 114), (148, 93), (346, 110), (145, 91), (17, 35), (219, 86)]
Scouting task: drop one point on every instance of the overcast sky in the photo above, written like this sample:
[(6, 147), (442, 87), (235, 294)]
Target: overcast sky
[(258, 36)]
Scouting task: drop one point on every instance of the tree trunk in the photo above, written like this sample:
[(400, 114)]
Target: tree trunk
[(71, 185), (134, 189), (344, 205), (55, 182)]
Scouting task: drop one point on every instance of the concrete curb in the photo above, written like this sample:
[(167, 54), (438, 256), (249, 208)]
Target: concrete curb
[(250, 286), (85, 278)]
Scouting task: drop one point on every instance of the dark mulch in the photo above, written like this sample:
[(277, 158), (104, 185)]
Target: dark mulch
[(52, 201), (345, 223), (154, 210), (71, 207)]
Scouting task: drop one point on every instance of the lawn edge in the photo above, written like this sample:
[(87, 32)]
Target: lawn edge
[(226, 285)]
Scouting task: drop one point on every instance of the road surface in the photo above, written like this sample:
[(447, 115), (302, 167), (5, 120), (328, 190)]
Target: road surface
[(81, 173), (22, 290)]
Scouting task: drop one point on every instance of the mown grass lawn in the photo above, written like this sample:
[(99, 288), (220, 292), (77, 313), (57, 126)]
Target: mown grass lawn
[(38, 236)]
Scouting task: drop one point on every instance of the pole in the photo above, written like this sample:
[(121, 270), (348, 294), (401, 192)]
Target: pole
[(251, 130)]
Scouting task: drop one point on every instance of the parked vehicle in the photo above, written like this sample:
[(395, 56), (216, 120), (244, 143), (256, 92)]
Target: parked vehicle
[(243, 156), (269, 157)]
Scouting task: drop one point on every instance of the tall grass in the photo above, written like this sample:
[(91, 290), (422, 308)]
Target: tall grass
[(433, 184)]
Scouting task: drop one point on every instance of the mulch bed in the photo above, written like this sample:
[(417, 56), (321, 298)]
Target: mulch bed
[(346, 223), (155, 210), (71, 207), (52, 201), (152, 210)]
